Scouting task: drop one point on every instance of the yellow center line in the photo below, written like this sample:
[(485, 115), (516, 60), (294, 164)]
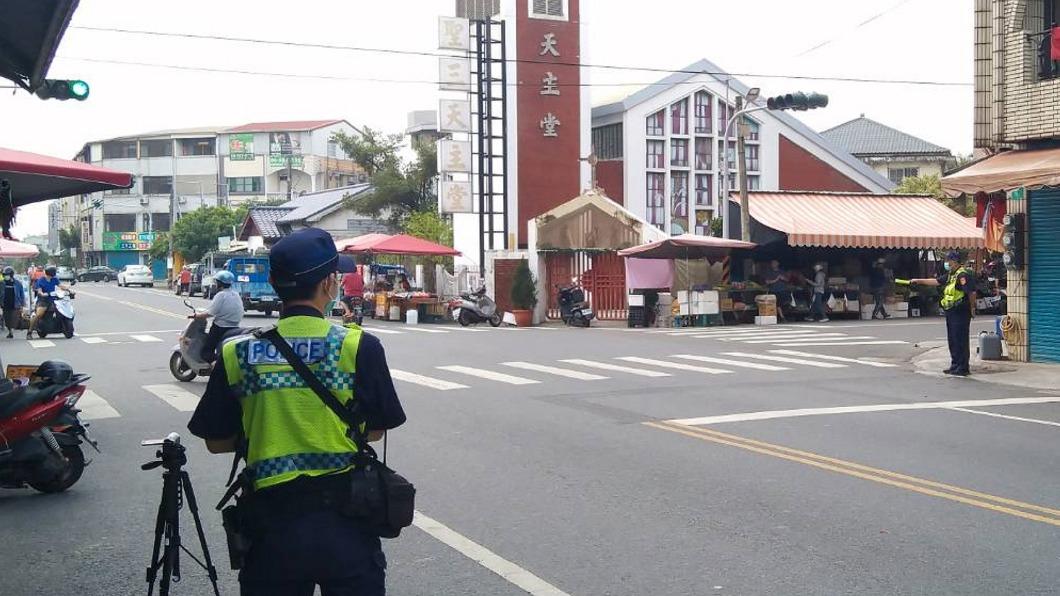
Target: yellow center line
[(151, 309), (910, 483)]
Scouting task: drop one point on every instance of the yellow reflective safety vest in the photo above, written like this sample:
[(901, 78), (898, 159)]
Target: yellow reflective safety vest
[(951, 295), (290, 432)]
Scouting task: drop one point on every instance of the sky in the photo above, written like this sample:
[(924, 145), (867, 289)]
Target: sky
[(924, 40)]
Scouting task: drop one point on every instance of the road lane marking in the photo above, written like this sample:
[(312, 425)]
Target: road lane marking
[(554, 370), (737, 363), (1007, 417), (841, 343), (157, 311), (798, 413), (94, 340), (759, 333), (41, 343), (94, 407), (489, 375), (383, 331), (674, 365), (422, 330), (833, 358), (510, 572), (728, 331), (798, 338), (895, 479), (145, 338), (425, 381), (183, 401), (127, 332), (784, 359), (642, 372)]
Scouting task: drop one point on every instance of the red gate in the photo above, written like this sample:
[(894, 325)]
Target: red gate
[(601, 274)]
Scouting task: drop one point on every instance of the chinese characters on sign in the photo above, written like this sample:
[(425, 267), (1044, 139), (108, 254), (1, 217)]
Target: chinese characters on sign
[(453, 33), (454, 115), (454, 74), (549, 84), (454, 156), (548, 125), (241, 147), (455, 197), (548, 46), (128, 240)]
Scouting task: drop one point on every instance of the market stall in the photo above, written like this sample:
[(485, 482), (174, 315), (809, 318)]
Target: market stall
[(388, 288)]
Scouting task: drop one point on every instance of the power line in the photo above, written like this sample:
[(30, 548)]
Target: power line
[(856, 27), (435, 54)]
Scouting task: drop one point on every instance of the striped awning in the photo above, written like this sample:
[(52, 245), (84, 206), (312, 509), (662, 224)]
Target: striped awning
[(852, 220)]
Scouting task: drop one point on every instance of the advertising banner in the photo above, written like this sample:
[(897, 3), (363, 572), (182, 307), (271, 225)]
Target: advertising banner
[(241, 147), (280, 161), (128, 240)]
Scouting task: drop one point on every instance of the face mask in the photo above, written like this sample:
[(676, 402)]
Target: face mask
[(947, 266)]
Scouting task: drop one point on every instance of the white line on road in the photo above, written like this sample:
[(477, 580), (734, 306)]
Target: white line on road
[(1007, 417), (825, 337), (737, 363), (383, 331), (489, 375), (674, 365), (756, 333), (804, 336), (727, 331), (423, 330), (41, 343), (784, 359), (183, 401), (145, 338), (94, 340), (127, 332), (833, 358), (553, 370), (510, 572), (641, 372), (425, 381), (938, 405), (94, 407), (843, 343)]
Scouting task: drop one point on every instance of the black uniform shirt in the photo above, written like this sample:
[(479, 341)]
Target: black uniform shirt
[(219, 416)]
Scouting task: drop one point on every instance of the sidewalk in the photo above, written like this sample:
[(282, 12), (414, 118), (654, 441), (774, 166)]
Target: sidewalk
[(1030, 375)]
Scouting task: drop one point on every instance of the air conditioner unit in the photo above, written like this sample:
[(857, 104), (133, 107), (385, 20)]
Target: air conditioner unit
[(145, 201)]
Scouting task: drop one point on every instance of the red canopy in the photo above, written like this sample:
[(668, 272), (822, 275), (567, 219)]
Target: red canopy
[(36, 177), (686, 246), (402, 244), (17, 250), (353, 243)]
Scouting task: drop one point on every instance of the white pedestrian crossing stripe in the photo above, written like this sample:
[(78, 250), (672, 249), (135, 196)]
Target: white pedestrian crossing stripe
[(383, 331), (41, 343), (489, 375), (431, 382), (94, 340), (183, 401), (834, 358), (736, 363), (145, 338), (785, 359), (94, 407), (554, 370), (674, 365), (829, 337), (841, 343), (424, 329), (641, 372)]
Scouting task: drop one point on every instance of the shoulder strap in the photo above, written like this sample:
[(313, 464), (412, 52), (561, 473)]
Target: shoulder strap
[(347, 415)]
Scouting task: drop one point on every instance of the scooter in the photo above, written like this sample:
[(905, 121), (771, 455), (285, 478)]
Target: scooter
[(59, 318), (573, 309), (474, 308), (40, 432), (185, 361)]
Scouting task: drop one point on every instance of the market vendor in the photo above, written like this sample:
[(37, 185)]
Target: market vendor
[(776, 283), (402, 284)]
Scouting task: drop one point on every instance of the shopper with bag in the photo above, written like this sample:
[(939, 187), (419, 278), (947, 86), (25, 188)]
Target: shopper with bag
[(300, 403)]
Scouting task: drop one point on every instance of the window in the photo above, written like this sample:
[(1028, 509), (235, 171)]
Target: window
[(730, 156), (752, 129), (723, 118), (753, 183), (679, 118), (119, 222), (703, 110), (197, 147), (146, 222), (656, 200), (333, 149), (703, 195), (1050, 17), (679, 200), (704, 160), (752, 158), (554, 9), (655, 124), (656, 154), (607, 141), (679, 152), (246, 184), (119, 150), (157, 185), (158, 148), (120, 191), (160, 222), (896, 175)]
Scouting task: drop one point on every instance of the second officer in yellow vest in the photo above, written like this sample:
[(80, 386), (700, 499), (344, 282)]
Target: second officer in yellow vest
[(958, 304), (295, 447)]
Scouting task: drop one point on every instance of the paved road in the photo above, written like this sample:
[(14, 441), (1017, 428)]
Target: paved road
[(805, 459)]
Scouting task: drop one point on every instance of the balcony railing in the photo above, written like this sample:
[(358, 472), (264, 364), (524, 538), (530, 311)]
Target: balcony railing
[(1047, 67)]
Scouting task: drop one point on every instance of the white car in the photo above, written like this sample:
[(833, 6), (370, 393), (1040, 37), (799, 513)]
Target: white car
[(136, 275)]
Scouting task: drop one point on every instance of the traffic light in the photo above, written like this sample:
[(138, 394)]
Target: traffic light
[(799, 101), (1015, 240), (63, 89)]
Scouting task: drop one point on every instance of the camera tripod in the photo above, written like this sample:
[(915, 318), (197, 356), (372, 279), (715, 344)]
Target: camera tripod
[(176, 485)]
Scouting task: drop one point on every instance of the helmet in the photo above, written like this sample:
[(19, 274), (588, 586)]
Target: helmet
[(56, 371), (9, 270), (50, 270), (225, 278)]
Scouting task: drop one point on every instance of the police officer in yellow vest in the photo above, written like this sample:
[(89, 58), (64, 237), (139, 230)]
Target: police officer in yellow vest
[(295, 447), (958, 303)]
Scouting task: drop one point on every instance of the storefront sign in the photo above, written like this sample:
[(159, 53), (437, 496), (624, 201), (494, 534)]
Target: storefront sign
[(283, 143), (454, 115), (280, 161), (453, 33), (128, 240), (454, 74), (454, 156), (241, 147), (455, 197)]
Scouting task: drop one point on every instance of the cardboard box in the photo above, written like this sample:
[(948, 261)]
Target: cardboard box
[(853, 306), (767, 310), (766, 299), (635, 299), (901, 306), (761, 320), (726, 304), (699, 309)]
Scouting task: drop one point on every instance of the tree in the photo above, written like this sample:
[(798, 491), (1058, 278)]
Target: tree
[(932, 186), (524, 290), (159, 250), (69, 238), (372, 150), (429, 225), (196, 233)]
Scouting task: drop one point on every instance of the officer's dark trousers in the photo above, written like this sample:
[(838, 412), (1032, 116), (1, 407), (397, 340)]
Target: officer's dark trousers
[(958, 326), (297, 550)]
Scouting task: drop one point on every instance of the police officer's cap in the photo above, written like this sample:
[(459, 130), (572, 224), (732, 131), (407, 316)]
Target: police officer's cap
[(953, 256), (306, 257)]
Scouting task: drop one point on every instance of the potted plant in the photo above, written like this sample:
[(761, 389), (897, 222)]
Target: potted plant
[(523, 294)]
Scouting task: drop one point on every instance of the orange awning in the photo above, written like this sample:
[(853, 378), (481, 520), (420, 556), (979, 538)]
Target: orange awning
[(848, 220), (1005, 171)]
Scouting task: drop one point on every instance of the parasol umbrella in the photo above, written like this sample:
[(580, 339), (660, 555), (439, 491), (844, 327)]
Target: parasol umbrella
[(353, 243), (401, 244), (686, 246), (17, 250)]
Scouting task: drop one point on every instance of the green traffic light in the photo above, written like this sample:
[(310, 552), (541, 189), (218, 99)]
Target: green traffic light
[(79, 90)]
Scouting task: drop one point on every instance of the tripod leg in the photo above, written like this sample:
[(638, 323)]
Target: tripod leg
[(171, 556), (160, 524), (193, 506)]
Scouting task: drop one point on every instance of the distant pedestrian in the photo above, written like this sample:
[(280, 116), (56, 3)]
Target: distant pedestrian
[(185, 280), (958, 303), (818, 284), (776, 283), (14, 300), (878, 286)]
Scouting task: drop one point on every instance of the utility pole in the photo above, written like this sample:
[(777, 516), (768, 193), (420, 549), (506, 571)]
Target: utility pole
[(290, 179), (741, 172)]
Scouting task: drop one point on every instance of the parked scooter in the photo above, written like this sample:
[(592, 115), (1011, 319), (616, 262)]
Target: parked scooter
[(40, 432), (59, 318), (474, 308), (573, 309), (185, 361)]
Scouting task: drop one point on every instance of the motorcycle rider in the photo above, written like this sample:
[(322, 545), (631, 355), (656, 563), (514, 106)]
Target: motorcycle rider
[(43, 288), (227, 312), (14, 300)]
